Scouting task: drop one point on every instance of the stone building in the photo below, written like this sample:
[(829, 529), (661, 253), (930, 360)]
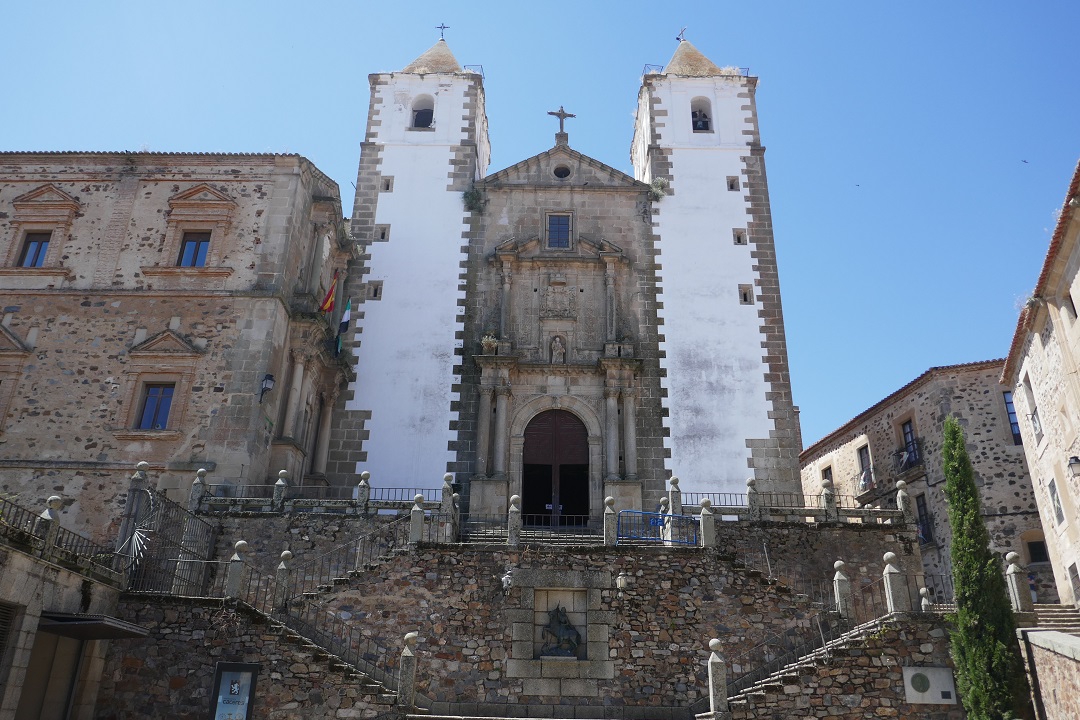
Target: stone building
[(1041, 366), (900, 439), (573, 332), (150, 302)]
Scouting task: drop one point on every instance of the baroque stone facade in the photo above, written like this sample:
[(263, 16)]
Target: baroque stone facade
[(147, 298), (550, 354), (900, 438), (1041, 367)]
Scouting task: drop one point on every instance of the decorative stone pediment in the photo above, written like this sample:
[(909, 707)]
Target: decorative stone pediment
[(580, 171), (202, 203), (533, 248), (10, 343), (46, 204), (167, 343)]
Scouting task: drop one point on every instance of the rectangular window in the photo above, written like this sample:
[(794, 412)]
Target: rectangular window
[(1055, 502), (909, 453), (558, 231), (1037, 552), (1014, 423), (922, 513), (193, 249), (866, 470), (1074, 580), (1070, 306), (157, 400), (746, 294), (826, 474), (34, 249)]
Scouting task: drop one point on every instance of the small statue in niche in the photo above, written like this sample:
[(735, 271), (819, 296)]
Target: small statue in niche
[(558, 351), (560, 637)]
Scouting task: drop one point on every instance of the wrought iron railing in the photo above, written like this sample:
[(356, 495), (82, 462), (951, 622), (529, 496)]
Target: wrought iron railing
[(17, 522), (907, 457), (169, 541), (718, 499), (865, 480), (30, 531), (925, 527)]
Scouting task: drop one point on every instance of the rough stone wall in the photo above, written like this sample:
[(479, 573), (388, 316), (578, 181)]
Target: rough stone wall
[(110, 311), (1056, 660), (171, 673), (972, 394), (864, 681)]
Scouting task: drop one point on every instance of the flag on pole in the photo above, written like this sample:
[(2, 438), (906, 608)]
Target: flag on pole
[(328, 301), (344, 326)]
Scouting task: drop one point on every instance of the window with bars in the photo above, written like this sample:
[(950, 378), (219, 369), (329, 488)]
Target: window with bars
[(558, 231)]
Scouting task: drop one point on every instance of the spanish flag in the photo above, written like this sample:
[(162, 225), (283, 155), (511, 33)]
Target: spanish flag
[(328, 301)]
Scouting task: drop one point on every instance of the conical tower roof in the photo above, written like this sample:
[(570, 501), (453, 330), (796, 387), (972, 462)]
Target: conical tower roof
[(438, 59), (689, 62)]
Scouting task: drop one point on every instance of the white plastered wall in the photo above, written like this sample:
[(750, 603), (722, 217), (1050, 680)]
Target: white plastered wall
[(712, 353), (405, 369)]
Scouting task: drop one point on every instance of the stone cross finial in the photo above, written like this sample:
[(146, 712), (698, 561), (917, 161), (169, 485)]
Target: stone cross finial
[(562, 115), (442, 28)]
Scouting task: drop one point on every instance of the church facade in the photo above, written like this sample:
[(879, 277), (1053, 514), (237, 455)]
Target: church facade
[(560, 330)]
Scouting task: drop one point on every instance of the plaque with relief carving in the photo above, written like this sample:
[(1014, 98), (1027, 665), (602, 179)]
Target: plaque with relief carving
[(559, 301)]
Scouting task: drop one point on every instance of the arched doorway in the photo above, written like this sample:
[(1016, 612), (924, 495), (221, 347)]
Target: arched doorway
[(555, 470)]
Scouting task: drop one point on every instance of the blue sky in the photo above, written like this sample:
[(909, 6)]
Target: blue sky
[(917, 152)]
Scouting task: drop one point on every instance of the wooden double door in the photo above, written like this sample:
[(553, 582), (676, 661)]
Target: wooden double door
[(555, 473)]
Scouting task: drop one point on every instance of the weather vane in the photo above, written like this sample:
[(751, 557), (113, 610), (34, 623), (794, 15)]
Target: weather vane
[(681, 37), (562, 115), (442, 28)]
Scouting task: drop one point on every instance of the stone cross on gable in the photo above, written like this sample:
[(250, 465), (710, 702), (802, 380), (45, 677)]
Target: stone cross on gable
[(562, 115)]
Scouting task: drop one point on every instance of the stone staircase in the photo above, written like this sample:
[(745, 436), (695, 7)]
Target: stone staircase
[(1063, 618)]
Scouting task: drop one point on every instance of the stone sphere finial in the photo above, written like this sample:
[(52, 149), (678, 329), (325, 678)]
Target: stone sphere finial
[(200, 473), (240, 547), (1011, 558), (515, 500), (706, 503), (901, 485), (283, 475), (286, 556), (715, 645), (411, 638), (55, 502), (923, 592), (889, 558), (418, 499), (674, 482), (448, 478), (609, 502), (142, 466), (827, 484), (839, 565), (365, 475), (751, 482)]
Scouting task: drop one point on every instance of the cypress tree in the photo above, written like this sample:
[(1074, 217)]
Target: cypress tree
[(989, 671)]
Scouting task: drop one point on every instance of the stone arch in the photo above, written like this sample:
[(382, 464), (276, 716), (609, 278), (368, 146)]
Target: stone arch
[(701, 114), (584, 412)]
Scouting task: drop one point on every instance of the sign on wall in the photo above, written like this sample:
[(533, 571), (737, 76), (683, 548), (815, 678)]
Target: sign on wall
[(234, 691)]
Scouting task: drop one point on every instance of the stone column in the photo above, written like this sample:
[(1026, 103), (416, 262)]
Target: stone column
[(717, 679), (198, 491), (828, 501), (280, 488), (322, 447), (363, 492), (707, 528), (293, 403), (483, 431), (611, 522), (446, 499), (1019, 592), (502, 431), (753, 502), (896, 587), (235, 575), (676, 496), (611, 435), (133, 506), (504, 306), (629, 412), (845, 601), (903, 502), (281, 581), (416, 520), (513, 522), (407, 674), (609, 302), (47, 524)]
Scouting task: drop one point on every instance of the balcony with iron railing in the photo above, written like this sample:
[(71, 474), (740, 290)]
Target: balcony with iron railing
[(908, 458)]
